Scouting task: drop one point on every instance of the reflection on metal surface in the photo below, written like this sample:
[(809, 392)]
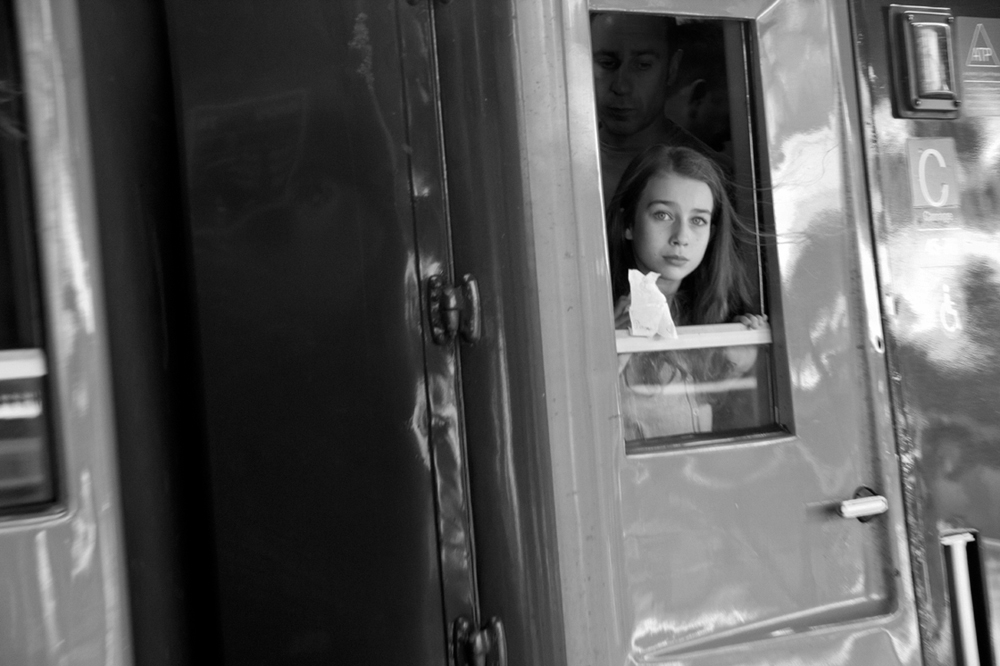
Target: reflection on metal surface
[(84, 528), (991, 566), (47, 594), (361, 42), (54, 178), (420, 423), (940, 266), (77, 607), (117, 625)]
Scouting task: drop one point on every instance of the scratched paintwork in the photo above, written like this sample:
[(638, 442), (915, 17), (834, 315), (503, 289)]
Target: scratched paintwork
[(940, 272), (60, 571)]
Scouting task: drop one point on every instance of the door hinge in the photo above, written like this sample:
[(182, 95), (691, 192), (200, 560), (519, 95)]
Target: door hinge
[(454, 311), (479, 647)]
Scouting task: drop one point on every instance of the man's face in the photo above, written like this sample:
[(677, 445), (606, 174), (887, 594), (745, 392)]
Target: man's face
[(631, 70)]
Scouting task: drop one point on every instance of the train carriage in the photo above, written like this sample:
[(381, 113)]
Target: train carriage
[(309, 352)]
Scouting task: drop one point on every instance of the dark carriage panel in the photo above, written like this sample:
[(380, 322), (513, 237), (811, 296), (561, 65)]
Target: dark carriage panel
[(296, 161)]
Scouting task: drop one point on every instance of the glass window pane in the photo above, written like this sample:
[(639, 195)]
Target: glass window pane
[(679, 186), (677, 394)]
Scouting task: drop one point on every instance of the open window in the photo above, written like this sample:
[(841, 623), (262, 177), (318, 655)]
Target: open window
[(683, 83)]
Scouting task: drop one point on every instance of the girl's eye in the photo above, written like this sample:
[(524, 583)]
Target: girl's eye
[(662, 215), (699, 221)]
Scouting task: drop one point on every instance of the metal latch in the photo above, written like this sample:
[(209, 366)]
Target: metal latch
[(479, 647), (864, 506), (454, 310), (921, 43)]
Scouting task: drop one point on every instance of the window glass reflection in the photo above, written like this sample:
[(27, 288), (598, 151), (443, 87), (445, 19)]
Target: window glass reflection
[(694, 392)]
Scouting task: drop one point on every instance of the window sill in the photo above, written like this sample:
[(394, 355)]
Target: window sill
[(694, 337)]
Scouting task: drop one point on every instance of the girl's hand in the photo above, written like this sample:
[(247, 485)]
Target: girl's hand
[(744, 357), (621, 312), (751, 321)]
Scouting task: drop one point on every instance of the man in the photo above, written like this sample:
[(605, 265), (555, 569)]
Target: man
[(633, 69)]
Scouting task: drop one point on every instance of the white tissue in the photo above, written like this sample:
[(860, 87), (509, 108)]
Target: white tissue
[(648, 311)]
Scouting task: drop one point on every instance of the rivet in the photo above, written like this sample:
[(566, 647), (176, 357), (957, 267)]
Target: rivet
[(916, 102)]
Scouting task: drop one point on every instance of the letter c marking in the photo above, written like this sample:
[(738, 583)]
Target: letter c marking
[(922, 177)]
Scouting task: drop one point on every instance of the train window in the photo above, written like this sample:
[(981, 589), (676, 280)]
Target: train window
[(678, 181), (27, 476)]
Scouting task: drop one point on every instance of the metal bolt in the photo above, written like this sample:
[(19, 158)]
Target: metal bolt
[(909, 17), (958, 103), (916, 102)]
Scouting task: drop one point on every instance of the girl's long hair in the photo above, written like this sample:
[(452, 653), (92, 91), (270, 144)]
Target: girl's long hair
[(717, 289)]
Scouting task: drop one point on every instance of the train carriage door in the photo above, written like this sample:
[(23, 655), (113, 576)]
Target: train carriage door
[(930, 89), (718, 516), (317, 209)]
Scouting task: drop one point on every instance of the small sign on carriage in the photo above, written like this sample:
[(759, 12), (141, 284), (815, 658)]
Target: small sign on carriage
[(933, 172), (978, 63)]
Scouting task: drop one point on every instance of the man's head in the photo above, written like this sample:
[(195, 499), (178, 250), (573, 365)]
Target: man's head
[(633, 65)]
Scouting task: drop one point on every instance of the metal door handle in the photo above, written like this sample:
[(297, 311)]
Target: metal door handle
[(483, 647), (454, 310), (864, 506), (471, 326)]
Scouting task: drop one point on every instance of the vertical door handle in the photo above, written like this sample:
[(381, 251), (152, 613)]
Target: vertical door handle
[(471, 326)]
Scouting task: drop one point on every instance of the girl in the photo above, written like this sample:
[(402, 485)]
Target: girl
[(670, 215)]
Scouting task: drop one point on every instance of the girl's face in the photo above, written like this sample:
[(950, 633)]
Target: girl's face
[(672, 227)]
